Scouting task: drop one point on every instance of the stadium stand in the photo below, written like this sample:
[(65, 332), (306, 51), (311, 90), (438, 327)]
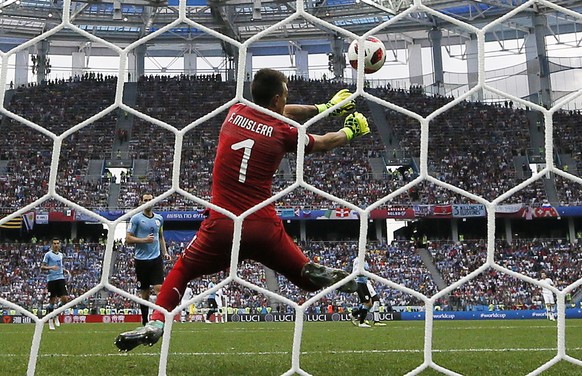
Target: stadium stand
[(488, 166), (399, 262)]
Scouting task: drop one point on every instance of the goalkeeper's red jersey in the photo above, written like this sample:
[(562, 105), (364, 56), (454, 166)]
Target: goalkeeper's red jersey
[(250, 148)]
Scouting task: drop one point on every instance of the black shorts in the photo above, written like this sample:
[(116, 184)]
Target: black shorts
[(149, 272), (363, 292), (57, 288), (212, 303)]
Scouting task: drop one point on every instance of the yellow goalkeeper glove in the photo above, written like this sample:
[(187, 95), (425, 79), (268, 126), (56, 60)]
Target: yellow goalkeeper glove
[(355, 125), (337, 98)]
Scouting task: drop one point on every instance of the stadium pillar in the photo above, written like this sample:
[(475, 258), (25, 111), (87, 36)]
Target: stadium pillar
[(572, 230), (455, 230), (136, 62), (415, 65), (77, 63), (190, 63), (472, 49), (538, 67), (302, 231), (378, 225), (74, 230), (302, 63), (42, 63), (249, 66), (508, 230), (435, 35), (21, 68), (338, 58)]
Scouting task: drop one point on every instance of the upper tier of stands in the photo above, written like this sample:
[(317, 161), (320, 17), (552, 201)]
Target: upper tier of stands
[(472, 146)]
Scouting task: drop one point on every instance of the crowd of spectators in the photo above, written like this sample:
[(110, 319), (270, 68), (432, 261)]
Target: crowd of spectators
[(23, 283), (471, 145), (454, 261), (57, 107)]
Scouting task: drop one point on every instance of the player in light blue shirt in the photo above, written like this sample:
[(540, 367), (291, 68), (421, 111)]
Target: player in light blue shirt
[(146, 233), (212, 300), (53, 263), (369, 299)]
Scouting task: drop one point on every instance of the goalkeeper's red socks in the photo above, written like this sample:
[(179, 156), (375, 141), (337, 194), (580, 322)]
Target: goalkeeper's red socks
[(172, 289)]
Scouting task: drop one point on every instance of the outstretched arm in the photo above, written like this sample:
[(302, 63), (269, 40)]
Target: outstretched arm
[(301, 112), (355, 125)]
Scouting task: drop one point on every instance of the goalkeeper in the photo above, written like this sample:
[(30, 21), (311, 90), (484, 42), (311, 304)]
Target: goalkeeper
[(251, 145)]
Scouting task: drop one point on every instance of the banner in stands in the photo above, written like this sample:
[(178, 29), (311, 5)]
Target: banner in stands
[(466, 211), (41, 218), (244, 317), (290, 317), (179, 236), (571, 313), (393, 211), (65, 215), (197, 215)]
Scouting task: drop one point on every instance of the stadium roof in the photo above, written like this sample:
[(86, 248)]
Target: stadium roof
[(125, 21)]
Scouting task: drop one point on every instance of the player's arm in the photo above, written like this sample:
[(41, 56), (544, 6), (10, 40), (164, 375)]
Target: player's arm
[(355, 125), (163, 248), (130, 238), (301, 112), (45, 266)]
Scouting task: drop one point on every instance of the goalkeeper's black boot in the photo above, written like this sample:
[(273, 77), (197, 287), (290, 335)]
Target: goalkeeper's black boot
[(324, 276), (145, 335)]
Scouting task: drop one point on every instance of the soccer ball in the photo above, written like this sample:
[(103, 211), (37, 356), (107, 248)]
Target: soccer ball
[(374, 54)]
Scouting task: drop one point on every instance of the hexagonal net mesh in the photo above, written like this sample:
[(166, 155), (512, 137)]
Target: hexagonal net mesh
[(363, 213)]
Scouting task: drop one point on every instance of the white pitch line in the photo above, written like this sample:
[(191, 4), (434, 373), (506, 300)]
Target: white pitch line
[(339, 352)]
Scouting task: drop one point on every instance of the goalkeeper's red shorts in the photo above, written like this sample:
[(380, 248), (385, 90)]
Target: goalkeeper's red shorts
[(264, 241)]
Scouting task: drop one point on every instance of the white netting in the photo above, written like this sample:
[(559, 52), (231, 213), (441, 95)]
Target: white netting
[(364, 214)]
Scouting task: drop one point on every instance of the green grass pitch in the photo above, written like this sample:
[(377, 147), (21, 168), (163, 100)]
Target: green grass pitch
[(328, 349)]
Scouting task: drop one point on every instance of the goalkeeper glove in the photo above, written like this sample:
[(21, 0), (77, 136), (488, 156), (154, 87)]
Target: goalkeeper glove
[(337, 98), (355, 125)]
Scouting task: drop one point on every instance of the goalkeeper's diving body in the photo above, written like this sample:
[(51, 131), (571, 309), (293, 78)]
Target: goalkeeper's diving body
[(251, 145)]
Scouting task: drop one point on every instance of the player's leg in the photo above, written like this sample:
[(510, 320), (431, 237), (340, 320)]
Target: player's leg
[(224, 316), (358, 316), (375, 311), (183, 315), (355, 315), (549, 302), (269, 244), (366, 300), (550, 306), (375, 305), (155, 279), (50, 308), (211, 309), (63, 298), (53, 297), (218, 314), (208, 253), (142, 273), (363, 314), (144, 309)]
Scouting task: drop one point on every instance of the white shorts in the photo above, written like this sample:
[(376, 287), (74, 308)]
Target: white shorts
[(371, 289), (548, 298)]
